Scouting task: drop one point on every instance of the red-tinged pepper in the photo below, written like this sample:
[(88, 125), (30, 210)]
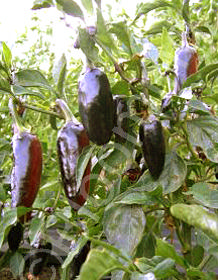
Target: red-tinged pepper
[(71, 140), (186, 63), (96, 105), (27, 169)]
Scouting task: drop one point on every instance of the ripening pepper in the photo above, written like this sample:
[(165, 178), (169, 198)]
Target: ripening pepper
[(153, 146), (96, 105), (185, 63), (27, 168), (26, 173), (71, 140)]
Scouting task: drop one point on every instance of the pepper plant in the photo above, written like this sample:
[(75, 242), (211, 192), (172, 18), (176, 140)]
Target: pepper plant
[(137, 226)]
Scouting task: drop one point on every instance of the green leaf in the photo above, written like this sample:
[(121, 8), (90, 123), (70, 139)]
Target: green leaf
[(143, 198), (198, 107), (197, 255), (5, 85), (203, 132), (59, 74), (200, 75), (185, 11), (31, 78), (144, 8), (98, 263), (166, 250), (88, 5), (34, 229), (71, 8), (121, 87), (87, 45), (7, 56), (121, 31), (203, 29), (161, 267), (198, 217), (82, 163), (39, 4), (167, 49), (157, 27), (171, 178), (9, 218), (102, 33), (205, 193), (82, 241), (17, 264), (19, 90), (124, 226)]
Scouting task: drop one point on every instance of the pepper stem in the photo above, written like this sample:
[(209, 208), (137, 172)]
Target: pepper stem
[(16, 119), (184, 40), (65, 110)]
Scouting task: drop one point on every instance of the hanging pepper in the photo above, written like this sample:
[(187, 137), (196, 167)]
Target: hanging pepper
[(26, 173), (71, 140), (153, 145), (122, 115), (185, 63), (96, 105)]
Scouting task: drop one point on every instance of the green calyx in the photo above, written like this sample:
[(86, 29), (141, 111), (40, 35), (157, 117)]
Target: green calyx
[(16, 119)]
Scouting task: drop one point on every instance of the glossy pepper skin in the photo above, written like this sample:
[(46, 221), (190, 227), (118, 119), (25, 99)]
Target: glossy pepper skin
[(153, 146), (15, 236), (96, 105), (185, 63), (121, 118), (27, 169), (71, 140)]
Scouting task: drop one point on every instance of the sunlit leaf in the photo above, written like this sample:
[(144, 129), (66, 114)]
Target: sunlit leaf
[(71, 8), (87, 4), (59, 74), (203, 132), (82, 163), (144, 8), (17, 263), (200, 75), (205, 193), (167, 49), (171, 178), (121, 31), (124, 226), (31, 78), (98, 264), (166, 250), (102, 33), (198, 217), (35, 228), (7, 56), (88, 47), (39, 4)]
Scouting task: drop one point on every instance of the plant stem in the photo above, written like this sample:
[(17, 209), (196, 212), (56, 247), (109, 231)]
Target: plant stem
[(41, 110), (116, 65)]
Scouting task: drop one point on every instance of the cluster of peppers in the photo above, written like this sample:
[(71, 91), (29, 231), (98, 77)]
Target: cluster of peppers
[(101, 115)]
